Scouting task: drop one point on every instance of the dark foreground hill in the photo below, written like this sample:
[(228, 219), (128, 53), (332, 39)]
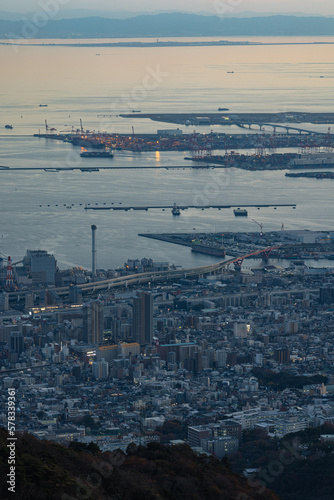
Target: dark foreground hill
[(45, 470)]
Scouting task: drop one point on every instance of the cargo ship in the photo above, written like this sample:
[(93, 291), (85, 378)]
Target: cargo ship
[(314, 175), (199, 246), (96, 154), (240, 212)]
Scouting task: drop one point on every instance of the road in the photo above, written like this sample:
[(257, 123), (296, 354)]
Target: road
[(148, 277)]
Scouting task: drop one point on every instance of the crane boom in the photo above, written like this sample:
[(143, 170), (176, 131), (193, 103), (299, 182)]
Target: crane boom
[(133, 137), (260, 225)]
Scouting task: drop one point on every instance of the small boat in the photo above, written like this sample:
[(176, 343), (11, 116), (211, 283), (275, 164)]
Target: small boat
[(240, 212), (176, 210), (43, 105), (10, 127), (51, 170)]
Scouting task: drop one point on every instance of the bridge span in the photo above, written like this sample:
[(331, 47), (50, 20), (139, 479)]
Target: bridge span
[(275, 126)]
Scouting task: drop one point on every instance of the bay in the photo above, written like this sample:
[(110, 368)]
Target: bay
[(76, 83)]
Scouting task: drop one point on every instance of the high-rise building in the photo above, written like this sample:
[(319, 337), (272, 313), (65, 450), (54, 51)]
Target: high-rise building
[(29, 300), (197, 433), (143, 318), (4, 301), (290, 327), (282, 355), (75, 295), (93, 322), (240, 330), (221, 358), (100, 369), (327, 295), (41, 266), (16, 342)]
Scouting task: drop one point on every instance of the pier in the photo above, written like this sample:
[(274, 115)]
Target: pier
[(96, 169), (185, 207)]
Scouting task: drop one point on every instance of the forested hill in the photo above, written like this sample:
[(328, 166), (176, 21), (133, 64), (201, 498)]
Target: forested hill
[(47, 471)]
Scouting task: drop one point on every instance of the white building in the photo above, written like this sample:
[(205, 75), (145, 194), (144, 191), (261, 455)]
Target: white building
[(240, 330), (100, 369)]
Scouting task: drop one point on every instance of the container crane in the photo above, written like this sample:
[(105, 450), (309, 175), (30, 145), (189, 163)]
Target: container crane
[(47, 128), (328, 142), (260, 225), (136, 142), (260, 145)]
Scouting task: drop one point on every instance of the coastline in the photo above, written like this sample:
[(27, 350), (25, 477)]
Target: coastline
[(222, 43)]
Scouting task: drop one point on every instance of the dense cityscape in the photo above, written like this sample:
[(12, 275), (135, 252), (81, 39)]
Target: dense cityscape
[(197, 359)]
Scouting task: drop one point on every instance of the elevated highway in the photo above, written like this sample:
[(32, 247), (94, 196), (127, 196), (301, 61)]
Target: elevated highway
[(138, 279), (157, 276), (147, 277)]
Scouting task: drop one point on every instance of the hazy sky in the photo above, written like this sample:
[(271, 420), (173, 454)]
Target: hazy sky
[(308, 6)]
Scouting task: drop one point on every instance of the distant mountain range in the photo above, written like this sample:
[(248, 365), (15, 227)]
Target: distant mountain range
[(124, 14), (79, 13), (169, 25)]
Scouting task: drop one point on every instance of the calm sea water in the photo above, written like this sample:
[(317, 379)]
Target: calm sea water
[(77, 83)]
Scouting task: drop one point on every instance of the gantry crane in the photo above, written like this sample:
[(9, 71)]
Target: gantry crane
[(260, 225), (47, 128)]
